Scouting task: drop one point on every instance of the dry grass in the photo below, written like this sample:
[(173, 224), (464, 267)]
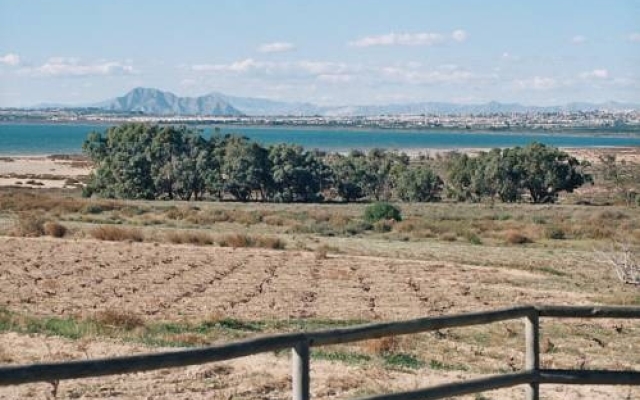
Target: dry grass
[(119, 319), (515, 237), (55, 229), (117, 234), (28, 225), (382, 346), (242, 240), (189, 237)]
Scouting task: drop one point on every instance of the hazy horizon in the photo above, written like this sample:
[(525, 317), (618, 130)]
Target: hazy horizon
[(326, 53)]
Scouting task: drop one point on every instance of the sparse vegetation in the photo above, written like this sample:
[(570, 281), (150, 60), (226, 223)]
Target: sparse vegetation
[(242, 240), (116, 233), (189, 237), (29, 225)]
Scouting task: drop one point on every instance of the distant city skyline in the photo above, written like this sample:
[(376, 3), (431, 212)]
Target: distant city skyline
[(324, 52)]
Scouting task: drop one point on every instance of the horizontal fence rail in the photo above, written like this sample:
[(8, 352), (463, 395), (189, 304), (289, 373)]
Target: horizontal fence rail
[(144, 362), (374, 331), (460, 388), (531, 375)]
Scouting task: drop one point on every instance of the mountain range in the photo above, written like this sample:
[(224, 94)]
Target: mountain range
[(158, 102)]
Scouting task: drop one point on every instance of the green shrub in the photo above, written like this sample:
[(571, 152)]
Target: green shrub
[(382, 211), (403, 360)]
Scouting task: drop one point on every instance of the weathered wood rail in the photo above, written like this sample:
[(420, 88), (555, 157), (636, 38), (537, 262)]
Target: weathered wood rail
[(531, 375)]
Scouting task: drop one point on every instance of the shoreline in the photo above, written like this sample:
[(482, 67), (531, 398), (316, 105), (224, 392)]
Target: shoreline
[(580, 132)]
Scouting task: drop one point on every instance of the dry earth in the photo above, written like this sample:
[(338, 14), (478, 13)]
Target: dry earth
[(63, 277), (70, 277)]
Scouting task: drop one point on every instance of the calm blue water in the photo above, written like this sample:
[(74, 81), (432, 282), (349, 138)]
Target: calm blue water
[(37, 139)]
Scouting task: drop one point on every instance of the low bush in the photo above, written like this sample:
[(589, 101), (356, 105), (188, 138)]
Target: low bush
[(116, 233), (243, 240), (55, 229), (189, 237), (382, 211), (515, 237)]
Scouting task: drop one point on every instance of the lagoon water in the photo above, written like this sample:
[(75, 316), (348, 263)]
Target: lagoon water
[(42, 139)]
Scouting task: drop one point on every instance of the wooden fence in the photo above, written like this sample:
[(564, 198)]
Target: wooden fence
[(300, 343)]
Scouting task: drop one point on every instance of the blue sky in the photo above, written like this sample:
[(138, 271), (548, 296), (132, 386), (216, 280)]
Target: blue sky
[(328, 52)]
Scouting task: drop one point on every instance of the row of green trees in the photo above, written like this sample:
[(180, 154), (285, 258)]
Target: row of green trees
[(537, 171), (143, 161)]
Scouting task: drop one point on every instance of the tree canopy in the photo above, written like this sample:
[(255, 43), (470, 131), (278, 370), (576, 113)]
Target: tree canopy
[(145, 161)]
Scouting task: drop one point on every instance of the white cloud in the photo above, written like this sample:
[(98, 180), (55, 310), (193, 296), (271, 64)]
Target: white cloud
[(578, 39), (425, 76), (72, 67), (595, 74), (10, 59), (276, 47), (335, 78), (459, 35), (236, 66), (536, 83), (634, 37), (332, 73), (409, 39), (403, 39), (250, 65), (322, 67)]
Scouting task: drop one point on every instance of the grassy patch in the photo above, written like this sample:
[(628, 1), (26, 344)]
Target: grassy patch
[(341, 356), (442, 366), (403, 360)]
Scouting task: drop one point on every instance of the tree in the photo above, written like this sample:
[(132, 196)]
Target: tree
[(549, 171), (541, 171), (297, 175), (245, 169), (418, 183), (349, 175), (122, 166)]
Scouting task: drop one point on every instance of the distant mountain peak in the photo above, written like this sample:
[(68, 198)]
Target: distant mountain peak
[(158, 102)]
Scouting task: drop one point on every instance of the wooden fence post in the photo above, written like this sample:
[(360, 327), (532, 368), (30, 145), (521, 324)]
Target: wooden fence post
[(300, 370), (532, 353)]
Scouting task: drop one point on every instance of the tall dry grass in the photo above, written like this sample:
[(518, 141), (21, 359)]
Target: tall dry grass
[(189, 237), (117, 234), (243, 240)]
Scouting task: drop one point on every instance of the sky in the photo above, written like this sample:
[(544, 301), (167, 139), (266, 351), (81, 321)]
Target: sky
[(328, 52)]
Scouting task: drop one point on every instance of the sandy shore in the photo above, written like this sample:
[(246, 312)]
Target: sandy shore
[(41, 171)]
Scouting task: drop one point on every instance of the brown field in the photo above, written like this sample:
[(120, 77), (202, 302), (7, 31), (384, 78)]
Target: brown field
[(91, 278)]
